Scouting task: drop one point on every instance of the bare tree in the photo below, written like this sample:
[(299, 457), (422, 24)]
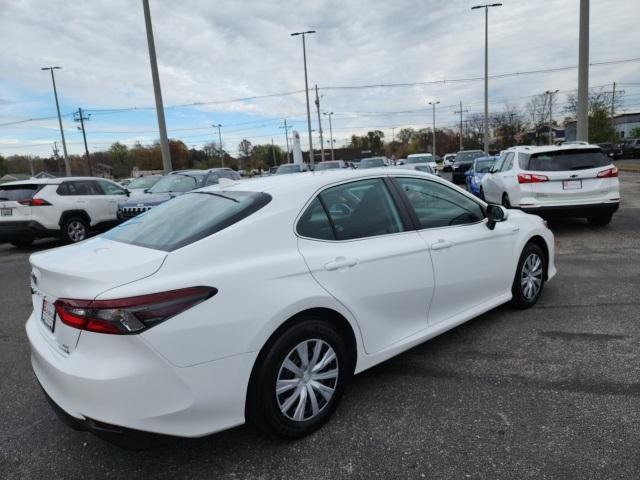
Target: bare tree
[(599, 100), (537, 109)]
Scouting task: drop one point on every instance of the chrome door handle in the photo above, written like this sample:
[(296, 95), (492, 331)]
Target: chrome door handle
[(341, 262), (441, 245)]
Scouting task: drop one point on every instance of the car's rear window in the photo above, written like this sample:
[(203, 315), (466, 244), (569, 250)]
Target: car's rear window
[(16, 193), (188, 218), (564, 160)]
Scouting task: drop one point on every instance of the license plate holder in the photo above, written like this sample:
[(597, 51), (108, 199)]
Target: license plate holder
[(48, 316), (572, 184), (6, 212)]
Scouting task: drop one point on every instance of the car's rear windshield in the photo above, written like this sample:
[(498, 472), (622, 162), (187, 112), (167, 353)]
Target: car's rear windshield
[(177, 183), (291, 168), (468, 156), (420, 159), (564, 160), (187, 219), (143, 182), (328, 165), (372, 162), (16, 193)]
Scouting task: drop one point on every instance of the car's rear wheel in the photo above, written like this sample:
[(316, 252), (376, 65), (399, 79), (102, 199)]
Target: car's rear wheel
[(22, 243), (530, 276), (505, 201), (299, 380), (600, 220), (74, 229), (482, 194)]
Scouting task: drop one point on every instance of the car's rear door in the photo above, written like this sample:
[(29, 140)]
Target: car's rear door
[(88, 197), (472, 264), (11, 196), (360, 247)]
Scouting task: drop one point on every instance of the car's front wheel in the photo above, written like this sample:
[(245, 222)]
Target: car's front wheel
[(530, 277), (299, 380)]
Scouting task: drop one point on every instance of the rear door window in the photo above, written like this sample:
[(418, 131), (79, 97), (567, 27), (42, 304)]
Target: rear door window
[(111, 189), (567, 160), (17, 193), (79, 187)]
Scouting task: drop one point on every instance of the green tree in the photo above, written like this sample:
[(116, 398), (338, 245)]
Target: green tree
[(601, 128), (3, 166), (120, 160), (635, 133)]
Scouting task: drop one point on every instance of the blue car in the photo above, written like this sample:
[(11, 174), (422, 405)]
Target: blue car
[(473, 176)]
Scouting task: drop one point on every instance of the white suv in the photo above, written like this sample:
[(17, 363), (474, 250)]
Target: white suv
[(573, 180), (67, 208)]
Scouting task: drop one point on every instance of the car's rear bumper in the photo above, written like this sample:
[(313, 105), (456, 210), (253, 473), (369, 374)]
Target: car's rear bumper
[(120, 384), (589, 210), (24, 229)]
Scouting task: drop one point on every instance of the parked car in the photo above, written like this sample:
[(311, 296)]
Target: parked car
[(288, 168), (447, 162), (421, 158), (173, 185), (630, 148), (464, 161), (610, 150), (373, 162), (354, 267), (420, 167), (474, 175), (69, 208), (572, 180), (330, 165), (273, 170), (139, 186)]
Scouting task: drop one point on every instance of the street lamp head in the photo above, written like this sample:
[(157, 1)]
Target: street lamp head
[(476, 7), (51, 68), (303, 33), (327, 113)]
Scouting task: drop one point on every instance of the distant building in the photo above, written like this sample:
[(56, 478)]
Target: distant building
[(623, 123), (540, 135), (12, 177)]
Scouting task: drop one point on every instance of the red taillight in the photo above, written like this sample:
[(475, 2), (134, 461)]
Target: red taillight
[(34, 202), (532, 178), (129, 315), (608, 173)]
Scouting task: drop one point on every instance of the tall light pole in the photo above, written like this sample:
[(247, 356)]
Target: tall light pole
[(220, 143), (551, 93), (582, 114), (162, 127), (319, 125), (306, 89), (286, 137), (433, 104), (461, 111), (67, 165), (486, 70), (330, 132)]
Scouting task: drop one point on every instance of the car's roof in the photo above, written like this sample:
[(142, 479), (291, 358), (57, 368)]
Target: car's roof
[(52, 181), (552, 148), (308, 182), (420, 155)]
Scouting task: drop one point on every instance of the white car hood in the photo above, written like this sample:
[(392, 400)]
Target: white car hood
[(85, 270)]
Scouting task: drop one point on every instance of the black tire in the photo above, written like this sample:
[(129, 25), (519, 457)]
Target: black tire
[(482, 195), (72, 227), (600, 220), (505, 201), (22, 243), (522, 299), (263, 404)]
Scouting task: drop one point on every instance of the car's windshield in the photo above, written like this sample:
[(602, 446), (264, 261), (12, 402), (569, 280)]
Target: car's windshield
[(371, 163), (175, 183), (420, 159), (468, 156), (290, 168), (483, 166), (328, 165), (187, 218), (565, 160), (143, 182)]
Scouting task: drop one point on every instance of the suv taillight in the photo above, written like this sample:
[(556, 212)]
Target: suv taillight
[(532, 178), (34, 202), (129, 315), (608, 173)]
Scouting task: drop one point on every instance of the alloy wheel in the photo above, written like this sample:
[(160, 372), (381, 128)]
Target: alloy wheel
[(531, 276), (307, 380), (76, 231)]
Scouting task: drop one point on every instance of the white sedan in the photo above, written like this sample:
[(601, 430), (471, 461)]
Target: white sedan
[(258, 300)]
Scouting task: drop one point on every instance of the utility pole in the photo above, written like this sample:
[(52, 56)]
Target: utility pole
[(551, 93), (220, 144), (486, 71), (461, 111), (330, 132), (319, 125), (162, 127), (433, 104), (306, 91), (582, 114), (67, 165), (79, 117), (286, 137)]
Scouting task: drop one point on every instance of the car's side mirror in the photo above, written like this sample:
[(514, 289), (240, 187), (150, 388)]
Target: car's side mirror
[(146, 190), (127, 192), (495, 214)]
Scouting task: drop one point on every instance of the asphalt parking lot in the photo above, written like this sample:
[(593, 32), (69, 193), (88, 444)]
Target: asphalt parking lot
[(551, 392)]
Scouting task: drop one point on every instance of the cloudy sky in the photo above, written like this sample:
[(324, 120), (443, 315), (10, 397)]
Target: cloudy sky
[(218, 53)]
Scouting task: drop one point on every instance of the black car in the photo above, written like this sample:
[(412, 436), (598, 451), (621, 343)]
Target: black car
[(463, 162), (172, 185), (630, 148), (609, 149)]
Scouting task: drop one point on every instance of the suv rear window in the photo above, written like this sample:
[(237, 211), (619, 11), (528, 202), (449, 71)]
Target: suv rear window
[(187, 219), (564, 160), (16, 193)]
